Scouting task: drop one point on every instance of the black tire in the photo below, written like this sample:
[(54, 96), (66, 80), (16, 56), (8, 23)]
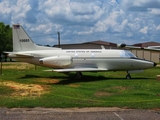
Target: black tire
[(128, 77)]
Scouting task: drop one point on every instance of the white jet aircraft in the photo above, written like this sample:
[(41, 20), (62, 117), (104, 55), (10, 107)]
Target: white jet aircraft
[(74, 60)]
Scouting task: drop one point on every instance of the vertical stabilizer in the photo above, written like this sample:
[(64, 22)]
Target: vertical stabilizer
[(21, 40)]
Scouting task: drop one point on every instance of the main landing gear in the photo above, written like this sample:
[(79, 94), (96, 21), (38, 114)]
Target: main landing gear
[(78, 75), (128, 76)]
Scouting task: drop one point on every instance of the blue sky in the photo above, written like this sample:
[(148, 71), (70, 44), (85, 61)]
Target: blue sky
[(118, 21)]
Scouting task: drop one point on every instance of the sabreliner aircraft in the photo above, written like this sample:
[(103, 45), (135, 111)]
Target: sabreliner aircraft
[(74, 60)]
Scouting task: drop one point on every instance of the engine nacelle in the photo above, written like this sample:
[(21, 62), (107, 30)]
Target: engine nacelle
[(57, 61), (122, 45)]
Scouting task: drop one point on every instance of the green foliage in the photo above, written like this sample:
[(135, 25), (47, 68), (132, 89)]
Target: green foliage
[(5, 38)]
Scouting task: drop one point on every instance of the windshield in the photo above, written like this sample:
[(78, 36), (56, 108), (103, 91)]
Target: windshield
[(126, 53)]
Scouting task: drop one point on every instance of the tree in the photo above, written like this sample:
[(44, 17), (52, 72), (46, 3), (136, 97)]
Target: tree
[(5, 38)]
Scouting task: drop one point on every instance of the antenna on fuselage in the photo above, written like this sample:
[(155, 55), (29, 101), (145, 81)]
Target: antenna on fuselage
[(103, 48)]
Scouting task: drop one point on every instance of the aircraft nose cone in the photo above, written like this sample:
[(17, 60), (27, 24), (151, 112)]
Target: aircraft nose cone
[(155, 64)]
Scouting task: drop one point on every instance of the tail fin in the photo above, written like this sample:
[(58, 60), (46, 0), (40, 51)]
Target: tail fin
[(22, 41)]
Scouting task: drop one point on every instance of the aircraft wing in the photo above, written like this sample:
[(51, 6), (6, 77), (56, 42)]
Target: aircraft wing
[(149, 48), (79, 69)]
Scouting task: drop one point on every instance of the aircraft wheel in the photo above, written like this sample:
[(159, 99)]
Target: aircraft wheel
[(128, 76), (78, 75)]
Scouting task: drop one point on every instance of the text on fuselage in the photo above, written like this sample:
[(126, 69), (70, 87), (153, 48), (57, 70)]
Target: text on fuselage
[(83, 51), (24, 40)]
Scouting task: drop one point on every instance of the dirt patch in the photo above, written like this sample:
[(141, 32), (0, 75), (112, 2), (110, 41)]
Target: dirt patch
[(24, 90), (18, 66), (74, 85), (47, 80), (100, 94), (120, 88), (54, 81), (110, 91)]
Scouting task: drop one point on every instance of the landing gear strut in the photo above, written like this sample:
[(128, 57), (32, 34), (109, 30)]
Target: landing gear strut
[(78, 75), (128, 76)]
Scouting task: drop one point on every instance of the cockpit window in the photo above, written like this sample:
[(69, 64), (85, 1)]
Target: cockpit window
[(126, 53)]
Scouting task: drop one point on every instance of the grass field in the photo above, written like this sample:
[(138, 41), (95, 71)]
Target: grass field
[(23, 86)]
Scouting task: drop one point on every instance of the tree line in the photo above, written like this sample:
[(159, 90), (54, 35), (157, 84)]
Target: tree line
[(5, 39)]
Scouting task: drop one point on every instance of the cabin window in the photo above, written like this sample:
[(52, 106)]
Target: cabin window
[(126, 53)]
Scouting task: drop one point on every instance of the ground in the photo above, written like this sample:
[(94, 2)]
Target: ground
[(78, 114)]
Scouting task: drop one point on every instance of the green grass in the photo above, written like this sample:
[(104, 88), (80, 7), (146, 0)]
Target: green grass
[(101, 89)]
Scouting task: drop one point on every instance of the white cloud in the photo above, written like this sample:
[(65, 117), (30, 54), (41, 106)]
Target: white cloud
[(158, 27), (110, 20), (5, 7), (108, 23), (121, 26), (129, 34), (155, 11), (144, 30)]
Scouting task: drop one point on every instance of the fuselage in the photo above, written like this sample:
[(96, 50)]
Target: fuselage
[(105, 59)]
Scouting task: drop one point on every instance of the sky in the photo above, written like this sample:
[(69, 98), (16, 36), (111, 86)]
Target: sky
[(78, 21)]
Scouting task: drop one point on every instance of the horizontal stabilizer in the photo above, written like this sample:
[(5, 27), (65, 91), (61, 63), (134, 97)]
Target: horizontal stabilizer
[(7, 52)]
